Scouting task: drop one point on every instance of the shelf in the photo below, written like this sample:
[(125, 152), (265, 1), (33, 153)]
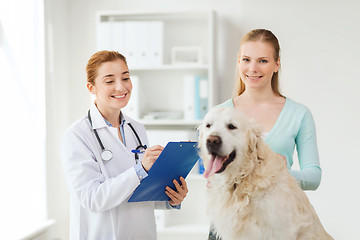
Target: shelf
[(167, 122), (127, 14), (184, 67), (179, 229), (124, 15)]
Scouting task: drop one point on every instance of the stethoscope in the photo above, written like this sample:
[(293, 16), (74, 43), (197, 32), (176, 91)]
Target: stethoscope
[(107, 155)]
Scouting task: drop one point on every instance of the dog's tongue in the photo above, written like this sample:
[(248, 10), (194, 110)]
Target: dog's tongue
[(214, 165)]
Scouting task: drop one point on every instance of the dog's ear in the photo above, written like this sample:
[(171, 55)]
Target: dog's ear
[(200, 133), (255, 143), (199, 129)]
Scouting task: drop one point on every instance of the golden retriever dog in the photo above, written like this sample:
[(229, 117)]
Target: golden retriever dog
[(252, 195)]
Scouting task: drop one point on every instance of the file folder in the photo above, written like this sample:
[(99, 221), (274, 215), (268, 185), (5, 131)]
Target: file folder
[(177, 159)]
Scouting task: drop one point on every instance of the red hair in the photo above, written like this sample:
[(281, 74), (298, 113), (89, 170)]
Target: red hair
[(99, 58)]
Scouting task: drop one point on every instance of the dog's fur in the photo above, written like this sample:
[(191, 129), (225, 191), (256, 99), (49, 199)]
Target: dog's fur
[(252, 196)]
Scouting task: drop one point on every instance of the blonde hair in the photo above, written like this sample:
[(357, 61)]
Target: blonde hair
[(99, 58), (264, 36)]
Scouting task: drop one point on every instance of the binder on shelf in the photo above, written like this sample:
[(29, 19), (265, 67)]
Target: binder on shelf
[(110, 36), (189, 97), (177, 159), (203, 97), (155, 43), (195, 97), (134, 35), (141, 42), (133, 107), (117, 37), (104, 36)]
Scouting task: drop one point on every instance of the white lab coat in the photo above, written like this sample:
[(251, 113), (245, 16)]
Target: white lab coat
[(99, 190)]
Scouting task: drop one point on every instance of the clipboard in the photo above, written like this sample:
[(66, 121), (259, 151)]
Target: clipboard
[(177, 159)]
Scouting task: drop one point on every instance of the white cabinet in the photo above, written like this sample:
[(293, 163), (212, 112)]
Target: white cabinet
[(163, 49), (171, 62)]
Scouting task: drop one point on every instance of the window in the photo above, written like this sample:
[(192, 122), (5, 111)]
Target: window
[(22, 119)]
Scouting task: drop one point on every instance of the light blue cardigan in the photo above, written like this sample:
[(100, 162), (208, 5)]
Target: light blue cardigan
[(295, 127)]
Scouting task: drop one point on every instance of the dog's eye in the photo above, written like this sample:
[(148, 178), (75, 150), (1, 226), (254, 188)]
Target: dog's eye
[(208, 125), (231, 126)]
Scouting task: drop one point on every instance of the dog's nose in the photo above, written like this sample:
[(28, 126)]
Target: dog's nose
[(213, 143), (213, 140)]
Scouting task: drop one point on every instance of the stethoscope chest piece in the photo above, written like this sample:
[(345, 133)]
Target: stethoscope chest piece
[(106, 155)]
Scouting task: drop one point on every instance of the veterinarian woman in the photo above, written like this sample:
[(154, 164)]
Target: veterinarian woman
[(285, 123), (100, 168)]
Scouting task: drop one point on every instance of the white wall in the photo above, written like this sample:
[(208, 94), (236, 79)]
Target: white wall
[(57, 112), (320, 57)]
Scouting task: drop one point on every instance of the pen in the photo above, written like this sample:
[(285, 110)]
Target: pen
[(137, 151)]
